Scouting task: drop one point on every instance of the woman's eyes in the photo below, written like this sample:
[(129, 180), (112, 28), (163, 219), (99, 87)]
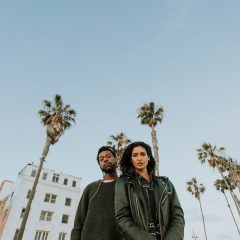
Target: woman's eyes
[(141, 154)]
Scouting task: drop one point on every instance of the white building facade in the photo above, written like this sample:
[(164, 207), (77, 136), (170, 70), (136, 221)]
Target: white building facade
[(53, 208)]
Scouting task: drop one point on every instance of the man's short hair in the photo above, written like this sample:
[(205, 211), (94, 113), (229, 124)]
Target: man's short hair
[(106, 148)]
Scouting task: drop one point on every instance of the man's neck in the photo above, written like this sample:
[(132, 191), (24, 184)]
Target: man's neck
[(110, 176)]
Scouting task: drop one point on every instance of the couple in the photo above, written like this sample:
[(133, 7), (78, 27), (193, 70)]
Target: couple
[(136, 206)]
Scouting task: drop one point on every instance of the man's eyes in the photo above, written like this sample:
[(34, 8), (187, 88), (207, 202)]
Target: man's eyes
[(107, 156)]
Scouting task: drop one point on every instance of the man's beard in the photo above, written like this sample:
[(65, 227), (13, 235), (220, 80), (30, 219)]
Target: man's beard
[(109, 169)]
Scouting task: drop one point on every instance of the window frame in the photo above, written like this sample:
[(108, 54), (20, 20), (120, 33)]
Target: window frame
[(65, 218), (68, 201)]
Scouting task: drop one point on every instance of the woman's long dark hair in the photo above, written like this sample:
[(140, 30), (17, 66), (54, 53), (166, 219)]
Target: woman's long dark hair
[(126, 165)]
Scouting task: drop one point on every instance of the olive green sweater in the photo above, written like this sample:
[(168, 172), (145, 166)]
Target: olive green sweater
[(94, 219)]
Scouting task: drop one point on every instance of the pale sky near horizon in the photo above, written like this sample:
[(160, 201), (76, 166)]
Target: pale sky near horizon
[(106, 59)]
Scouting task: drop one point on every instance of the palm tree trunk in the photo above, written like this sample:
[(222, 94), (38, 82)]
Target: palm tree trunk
[(235, 199), (155, 150), (33, 190), (118, 154), (231, 212), (203, 219)]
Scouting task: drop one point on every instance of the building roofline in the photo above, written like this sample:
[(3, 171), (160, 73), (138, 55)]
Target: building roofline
[(52, 170)]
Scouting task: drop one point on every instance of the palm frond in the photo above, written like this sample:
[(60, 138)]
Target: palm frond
[(58, 103), (150, 114), (57, 117), (195, 188), (47, 103)]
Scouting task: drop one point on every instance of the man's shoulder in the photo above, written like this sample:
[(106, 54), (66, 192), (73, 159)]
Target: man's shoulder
[(93, 184), (91, 188)]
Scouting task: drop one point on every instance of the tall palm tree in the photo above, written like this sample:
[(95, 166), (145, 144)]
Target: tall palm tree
[(234, 173), (57, 117), (151, 115), (119, 142), (197, 189), (216, 158), (220, 185)]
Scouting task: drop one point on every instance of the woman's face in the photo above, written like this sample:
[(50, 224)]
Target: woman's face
[(139, 158)]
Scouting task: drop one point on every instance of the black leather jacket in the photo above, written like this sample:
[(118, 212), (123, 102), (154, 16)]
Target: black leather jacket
[(131, 210)]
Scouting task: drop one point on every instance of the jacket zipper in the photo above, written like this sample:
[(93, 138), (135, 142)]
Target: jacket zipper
[(140, 220), (162, 195), (159, 213)]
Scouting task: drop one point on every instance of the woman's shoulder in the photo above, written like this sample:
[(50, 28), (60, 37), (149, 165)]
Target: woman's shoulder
[(125, 179), (162, 178)]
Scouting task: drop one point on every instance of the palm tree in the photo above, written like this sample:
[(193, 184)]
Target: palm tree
[(216, 158), (151, 115), (197, 189), (220, 185), (119, 142), (234, 173), (57, 117)]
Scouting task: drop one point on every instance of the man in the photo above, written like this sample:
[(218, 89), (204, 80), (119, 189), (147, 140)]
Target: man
[(95, 218)]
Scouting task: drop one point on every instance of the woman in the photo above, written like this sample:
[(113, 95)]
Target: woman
[(146, 206)]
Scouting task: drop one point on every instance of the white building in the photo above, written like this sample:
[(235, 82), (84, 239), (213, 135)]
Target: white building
[(5, 188), (53, 208)]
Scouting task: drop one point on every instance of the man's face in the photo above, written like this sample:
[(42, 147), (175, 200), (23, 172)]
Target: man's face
[(107, 162)]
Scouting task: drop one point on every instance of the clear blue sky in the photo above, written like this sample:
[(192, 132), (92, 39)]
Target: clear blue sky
[(106, 59)]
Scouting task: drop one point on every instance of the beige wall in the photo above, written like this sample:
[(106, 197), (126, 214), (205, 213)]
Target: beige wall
[(4, 213)]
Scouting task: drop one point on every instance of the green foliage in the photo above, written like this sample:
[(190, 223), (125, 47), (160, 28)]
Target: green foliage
[(150, 114), (57, 117), (194, 188), (119, 142)]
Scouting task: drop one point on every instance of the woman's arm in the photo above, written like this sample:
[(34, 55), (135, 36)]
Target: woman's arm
[(175, 229)]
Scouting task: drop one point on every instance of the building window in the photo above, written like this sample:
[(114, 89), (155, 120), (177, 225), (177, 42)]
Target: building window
[(44, 177), (65, 218), (68, 201), (55, 177), (65, 181), (50, 198), (28, 194), (41, 235), (33, 174), (22, 213), (46, 216), (16, 234), (47, 197), (62, 236), (74, 183)]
